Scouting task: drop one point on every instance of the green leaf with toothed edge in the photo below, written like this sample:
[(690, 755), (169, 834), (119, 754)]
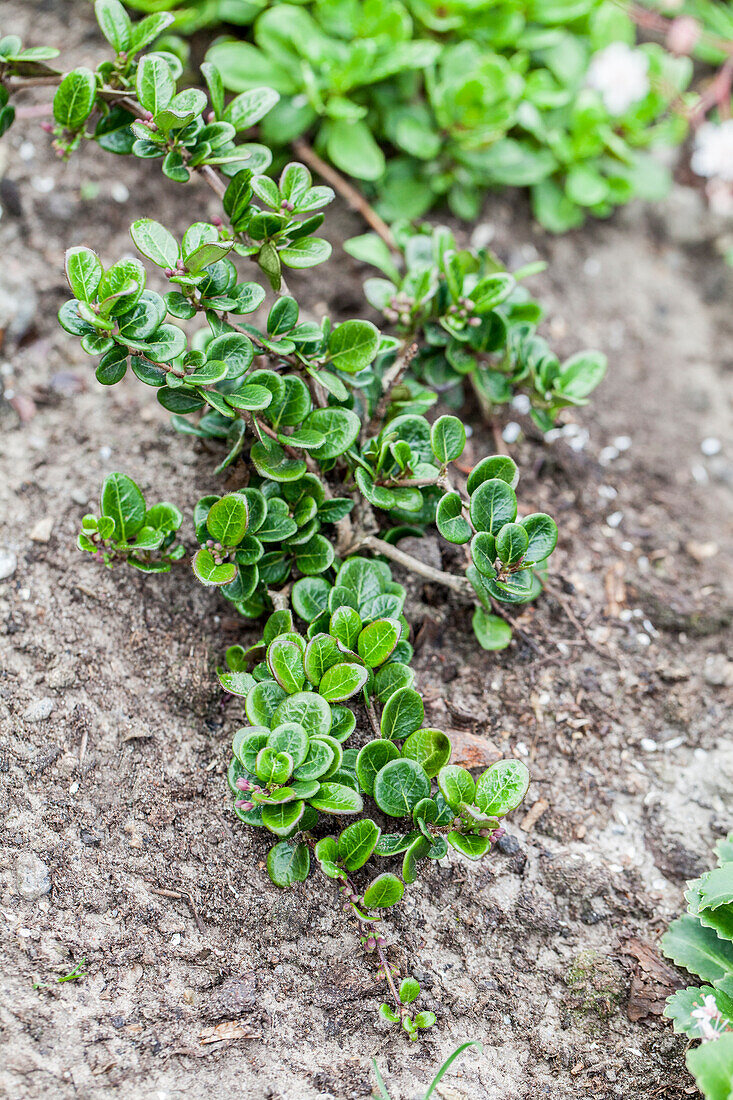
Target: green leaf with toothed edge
[(712, 1067), (697, 949)]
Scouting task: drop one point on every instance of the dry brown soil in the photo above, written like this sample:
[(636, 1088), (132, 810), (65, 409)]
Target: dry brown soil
[(115, 736)]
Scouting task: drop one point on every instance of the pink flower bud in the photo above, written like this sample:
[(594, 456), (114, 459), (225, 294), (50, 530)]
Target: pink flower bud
[(216, 220), (241, 805), (243, 784), (47, 127), (683, 34)]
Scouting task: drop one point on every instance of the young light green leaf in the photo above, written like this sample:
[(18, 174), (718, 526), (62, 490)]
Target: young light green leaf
[(399, 786), (501, 788), (383, 892), (403, 714)]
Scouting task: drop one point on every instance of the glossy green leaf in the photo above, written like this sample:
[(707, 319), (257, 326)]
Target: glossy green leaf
[(447, 438), (501, 788), (371, 759), (492, 632), (288, 863), (456, 785), (403, 714), (428, 747), (376, 642), (493, 504), (342, 681), (450, 520), (399, 786), (383, 892), (356, 843), (334, 798)]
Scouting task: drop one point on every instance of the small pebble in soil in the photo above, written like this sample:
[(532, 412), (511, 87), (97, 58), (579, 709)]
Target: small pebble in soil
[(622, 442), (648, 745), (43, 184), (8, 563), (39, 710), (105, 452), (615, 519), (32, 878), (119, 192), (643, 639), (27, 151), (607, 492), (79, 496), (718, 671), (699, 473), (521, 403), (607, 455), (511, 432), (710, 446)]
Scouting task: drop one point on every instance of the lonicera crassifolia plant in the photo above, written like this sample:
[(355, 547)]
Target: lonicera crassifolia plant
[(300, 406), (290, 766), (308, 427), (472, 323), (430, 101)]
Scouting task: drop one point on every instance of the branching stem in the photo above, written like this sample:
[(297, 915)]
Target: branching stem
[(347, 191)]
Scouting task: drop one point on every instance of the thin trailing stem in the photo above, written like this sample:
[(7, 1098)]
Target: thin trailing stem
[(353, 197), (459, 585), (392, 377)]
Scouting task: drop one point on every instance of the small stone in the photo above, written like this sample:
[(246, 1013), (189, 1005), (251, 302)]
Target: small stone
[(32, 878), (702, 551), (648, 745), (472, 751), (8, 563), (718, 670), (710, 446), (511, 432), (39, 710), (41, 531), (79, 496), (673, 673)]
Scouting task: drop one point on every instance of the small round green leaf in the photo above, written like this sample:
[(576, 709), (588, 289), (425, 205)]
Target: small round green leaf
[(384, 891), (456, 785), (492, 632), (356, 843), (450, 521), (288, 863), (430, 748), (403, 714), (371, 759), (502, 787), (334, 798), (492, 505), (376, 641), (399, 786), (542, 533), (511, 543), (447, 438), (342, 681)]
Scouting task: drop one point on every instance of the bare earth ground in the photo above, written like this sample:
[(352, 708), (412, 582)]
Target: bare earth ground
[(115, 737)]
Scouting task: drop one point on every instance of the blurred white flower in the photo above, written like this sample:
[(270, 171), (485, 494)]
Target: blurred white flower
[(713, 153), (709, 1020), (621, 76)]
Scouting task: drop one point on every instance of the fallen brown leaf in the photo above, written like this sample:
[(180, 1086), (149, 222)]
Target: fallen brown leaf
[(228, 1029), (533, 815)]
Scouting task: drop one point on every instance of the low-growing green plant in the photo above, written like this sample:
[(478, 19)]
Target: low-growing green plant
[(701, 941), (556, 97), (330, 459), (472, 322), (290, 766)]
